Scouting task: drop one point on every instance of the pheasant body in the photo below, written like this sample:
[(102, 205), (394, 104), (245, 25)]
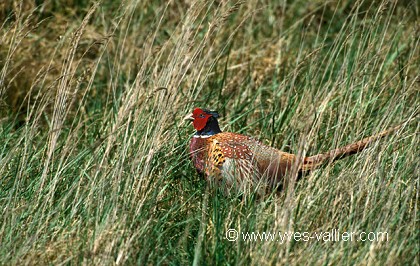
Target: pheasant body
[(240, 163), (234, 160)]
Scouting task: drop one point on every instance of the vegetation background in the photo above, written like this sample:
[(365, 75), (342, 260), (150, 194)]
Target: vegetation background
[(94, 165)]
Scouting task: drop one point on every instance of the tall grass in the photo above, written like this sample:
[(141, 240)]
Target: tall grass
[(94, 160)]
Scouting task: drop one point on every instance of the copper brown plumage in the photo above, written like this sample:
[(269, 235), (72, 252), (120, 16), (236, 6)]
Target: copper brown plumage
[(242, 164)]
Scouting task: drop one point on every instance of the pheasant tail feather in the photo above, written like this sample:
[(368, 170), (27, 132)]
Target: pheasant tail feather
[(316, 160)]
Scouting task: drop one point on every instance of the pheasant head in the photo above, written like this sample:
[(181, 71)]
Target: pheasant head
[(205, 122)]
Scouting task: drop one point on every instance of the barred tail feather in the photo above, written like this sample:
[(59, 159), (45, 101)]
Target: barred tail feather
[(314, 161)]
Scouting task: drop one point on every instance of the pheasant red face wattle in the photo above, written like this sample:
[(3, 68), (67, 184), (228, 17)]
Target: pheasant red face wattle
[(200, 119)]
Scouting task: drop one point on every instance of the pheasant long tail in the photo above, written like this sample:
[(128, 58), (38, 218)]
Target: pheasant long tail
[(312, 162)]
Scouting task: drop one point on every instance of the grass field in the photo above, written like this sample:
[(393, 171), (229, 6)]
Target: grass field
[(94, 165)]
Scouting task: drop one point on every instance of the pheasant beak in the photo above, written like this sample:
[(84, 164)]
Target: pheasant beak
[(188, 117)]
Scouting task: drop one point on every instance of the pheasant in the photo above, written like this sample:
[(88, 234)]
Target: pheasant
[(239, 163)]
